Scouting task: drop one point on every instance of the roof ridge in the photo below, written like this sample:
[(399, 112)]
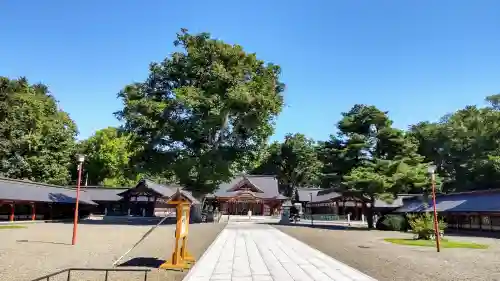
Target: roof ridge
[(260, 176), (96, 187), (32, 182)]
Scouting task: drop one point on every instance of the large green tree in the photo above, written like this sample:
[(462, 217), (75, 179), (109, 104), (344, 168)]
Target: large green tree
[(37, 139), (465, 146), (108, 153), (204, 112), (373, 159), (295, 162)]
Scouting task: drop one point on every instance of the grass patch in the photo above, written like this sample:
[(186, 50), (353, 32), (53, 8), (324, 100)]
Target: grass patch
[(445, 243), (12, 226)]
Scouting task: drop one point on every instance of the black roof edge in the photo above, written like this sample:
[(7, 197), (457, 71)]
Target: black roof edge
[(33, 183)]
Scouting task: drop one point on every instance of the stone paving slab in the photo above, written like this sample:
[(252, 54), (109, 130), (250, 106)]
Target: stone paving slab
[(246, 252)]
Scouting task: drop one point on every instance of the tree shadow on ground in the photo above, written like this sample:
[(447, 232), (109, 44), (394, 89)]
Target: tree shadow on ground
[(142, 262), (322, 226), (43, 242), (125, 221)]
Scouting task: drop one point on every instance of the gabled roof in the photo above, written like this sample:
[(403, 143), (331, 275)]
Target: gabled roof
[(161, 190), (267, 185), (22, 190), (325, 195)]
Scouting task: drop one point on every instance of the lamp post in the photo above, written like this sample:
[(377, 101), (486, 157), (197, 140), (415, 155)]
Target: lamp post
[(79, 158), (311, 207), (431, 171)]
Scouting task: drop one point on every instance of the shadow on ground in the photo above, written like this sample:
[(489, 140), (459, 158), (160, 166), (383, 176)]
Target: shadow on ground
[(43, 242), (321, 226), (124, 221), (142, 262)]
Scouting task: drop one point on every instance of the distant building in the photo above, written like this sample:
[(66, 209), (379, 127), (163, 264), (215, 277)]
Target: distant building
[(257, 193), (475, 210), (341, 203), (26, 200)]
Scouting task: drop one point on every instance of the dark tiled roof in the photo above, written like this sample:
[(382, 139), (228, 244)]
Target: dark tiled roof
[(267, 184), (157, 188), (324, 195), (20, 190), (103, 193), (305, 193), (459, 202), (162, 190)]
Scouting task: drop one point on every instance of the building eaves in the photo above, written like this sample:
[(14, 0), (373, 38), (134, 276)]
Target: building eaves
[(22, 190)]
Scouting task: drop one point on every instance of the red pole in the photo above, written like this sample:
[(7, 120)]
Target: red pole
[(11, 217), (33, 212), (75, 222), (436, 225)]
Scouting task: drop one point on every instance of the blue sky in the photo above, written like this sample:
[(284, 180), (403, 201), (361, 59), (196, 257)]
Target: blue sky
[(416, 59)]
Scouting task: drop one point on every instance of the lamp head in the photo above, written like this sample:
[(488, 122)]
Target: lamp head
[(80, 158), (431, 169)]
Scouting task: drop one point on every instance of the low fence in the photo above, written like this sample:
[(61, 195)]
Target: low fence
[(66, 273), (324, 217)]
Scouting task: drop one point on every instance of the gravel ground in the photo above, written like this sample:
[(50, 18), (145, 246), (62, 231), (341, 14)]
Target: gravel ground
[(41, 249), (366, 251)]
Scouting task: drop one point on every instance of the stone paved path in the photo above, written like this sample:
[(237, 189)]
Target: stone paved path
[(258, 252)]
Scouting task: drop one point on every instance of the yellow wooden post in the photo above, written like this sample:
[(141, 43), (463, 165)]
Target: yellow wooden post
[(181, 258)]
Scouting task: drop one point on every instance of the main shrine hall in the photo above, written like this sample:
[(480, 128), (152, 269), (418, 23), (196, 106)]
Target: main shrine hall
[(256, 193)]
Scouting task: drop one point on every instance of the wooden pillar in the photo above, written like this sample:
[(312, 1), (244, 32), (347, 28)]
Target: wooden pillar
[(11, 217), (33, 212), (262, 208), (50, 211)]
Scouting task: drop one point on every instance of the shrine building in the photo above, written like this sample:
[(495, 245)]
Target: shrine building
[(257, 193)]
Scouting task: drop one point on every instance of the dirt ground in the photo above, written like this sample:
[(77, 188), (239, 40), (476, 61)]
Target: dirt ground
[(369, 253), (40, 249)]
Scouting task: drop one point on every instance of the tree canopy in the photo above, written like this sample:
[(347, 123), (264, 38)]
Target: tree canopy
[(206, 113), (295, 163), (203, 110), (37, 138), (108, 154)]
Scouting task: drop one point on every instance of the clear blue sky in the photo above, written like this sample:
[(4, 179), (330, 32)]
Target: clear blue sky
[(416, 59)]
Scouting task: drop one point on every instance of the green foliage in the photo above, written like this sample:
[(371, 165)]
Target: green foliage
[(108, 154), (378, 161), (464, 145), (37, 138), (393, 222), (422, 225), (204, 113), (295, 163), (443, 242)]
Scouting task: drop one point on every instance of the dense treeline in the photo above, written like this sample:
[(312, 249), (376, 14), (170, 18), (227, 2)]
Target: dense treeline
[(206, 113)]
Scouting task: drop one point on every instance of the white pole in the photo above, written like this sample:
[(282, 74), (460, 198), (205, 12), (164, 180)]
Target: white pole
[(349, 219)]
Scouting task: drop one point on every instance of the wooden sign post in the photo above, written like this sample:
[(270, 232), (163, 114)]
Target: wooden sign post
[(181, 258)]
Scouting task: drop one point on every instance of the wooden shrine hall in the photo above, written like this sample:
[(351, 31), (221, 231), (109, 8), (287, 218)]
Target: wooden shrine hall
[(256, 193)]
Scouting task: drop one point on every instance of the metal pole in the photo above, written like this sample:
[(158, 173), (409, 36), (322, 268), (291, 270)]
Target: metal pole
[(311, 207), (436, 224), (75, 221)]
